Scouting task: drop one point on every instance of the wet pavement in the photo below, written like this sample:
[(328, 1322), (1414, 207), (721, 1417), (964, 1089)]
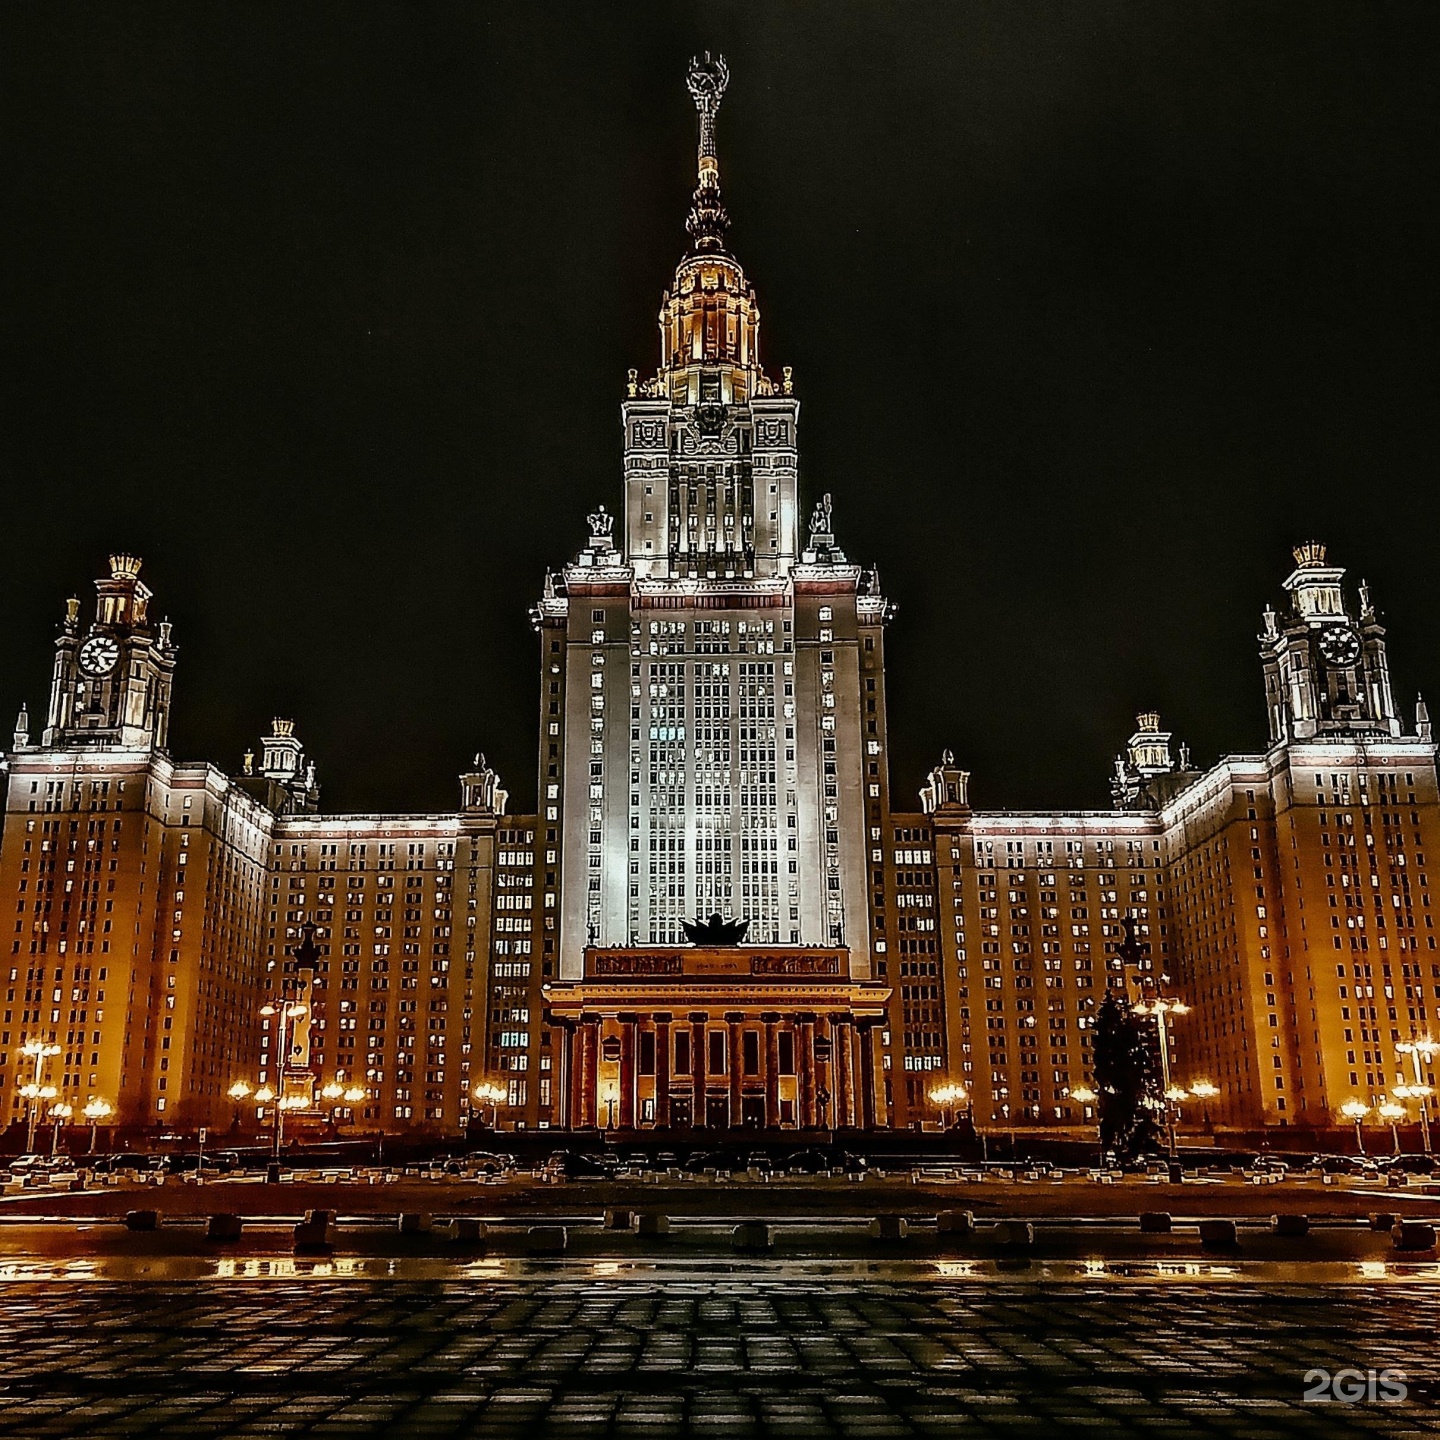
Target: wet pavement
[(285, 1347)]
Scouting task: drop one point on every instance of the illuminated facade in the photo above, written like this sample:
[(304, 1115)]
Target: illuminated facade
[(713, 742)]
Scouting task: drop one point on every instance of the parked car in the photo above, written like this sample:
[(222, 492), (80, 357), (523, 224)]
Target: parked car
[(488, 1163), (807, 1162), (222, 1162), (125, 1160), (34, 1164), (576, 1165), (1408, 1164)]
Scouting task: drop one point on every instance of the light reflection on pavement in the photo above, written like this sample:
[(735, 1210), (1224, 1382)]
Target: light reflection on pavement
[(170, 1269)]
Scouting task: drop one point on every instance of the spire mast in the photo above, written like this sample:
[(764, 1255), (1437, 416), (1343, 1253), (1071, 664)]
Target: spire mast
[(707, 222)]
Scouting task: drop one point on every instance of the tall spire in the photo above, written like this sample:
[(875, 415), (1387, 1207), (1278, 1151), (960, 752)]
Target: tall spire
[(707, 222)]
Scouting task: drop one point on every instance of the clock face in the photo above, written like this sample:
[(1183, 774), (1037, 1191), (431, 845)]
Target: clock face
[(1339, 645), (98, 655)]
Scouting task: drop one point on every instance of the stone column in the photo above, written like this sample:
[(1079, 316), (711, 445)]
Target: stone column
[(772, 1069), (805, 1071), (824, 1072), (589, 1059), (628, 1024), (867, 1076), (697, 1066), (733, 1057), (567, 1077), (662, 1072), (840, 1037)]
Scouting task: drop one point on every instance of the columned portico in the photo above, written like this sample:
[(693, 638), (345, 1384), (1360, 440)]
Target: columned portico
[(723, 1037)]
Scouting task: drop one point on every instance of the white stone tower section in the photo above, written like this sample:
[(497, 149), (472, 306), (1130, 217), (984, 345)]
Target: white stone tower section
[(712, 700)]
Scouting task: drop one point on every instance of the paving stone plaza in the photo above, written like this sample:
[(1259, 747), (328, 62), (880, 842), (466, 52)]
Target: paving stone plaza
[(745, 1355)]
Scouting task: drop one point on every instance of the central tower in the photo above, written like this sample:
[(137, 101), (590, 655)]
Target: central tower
[(713, 682)]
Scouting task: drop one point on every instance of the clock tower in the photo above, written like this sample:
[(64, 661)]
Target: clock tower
[(111, 683), (1326, 675)]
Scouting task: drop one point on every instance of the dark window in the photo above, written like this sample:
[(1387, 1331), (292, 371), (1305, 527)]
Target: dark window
[(750, 1045)]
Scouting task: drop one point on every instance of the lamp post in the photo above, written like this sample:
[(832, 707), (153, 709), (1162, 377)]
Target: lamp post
[(1203, 1090), (947, 1097), (239, 1092), (609, 1095), (342, 1097), (493, 1094), (59, 1113), (95, 1111), (1393, 1113), (1160, 1006), (35, 1094), (39, 1051), (1087, 1098), (1356, 1111), (1418, 1048)]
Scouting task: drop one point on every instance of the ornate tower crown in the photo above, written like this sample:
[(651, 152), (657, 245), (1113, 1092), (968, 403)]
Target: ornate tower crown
[(1312, 552), (125, 567)]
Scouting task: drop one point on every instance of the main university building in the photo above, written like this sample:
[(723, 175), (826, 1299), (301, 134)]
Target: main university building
[(712, 743)]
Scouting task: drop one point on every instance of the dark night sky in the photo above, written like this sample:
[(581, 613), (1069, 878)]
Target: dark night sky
[(1094, 310)]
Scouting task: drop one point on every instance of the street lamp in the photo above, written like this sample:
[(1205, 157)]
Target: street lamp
[(39, 1051), (340, 1097), (949, 1096), (1418, 1048), (35, 1094), (95, 1111), (59, 1114), (609, 1095), (1204, 1090), (1356, 1110), (1392, 1113), (239, 1092), (1160, 1006), (489, 1092)]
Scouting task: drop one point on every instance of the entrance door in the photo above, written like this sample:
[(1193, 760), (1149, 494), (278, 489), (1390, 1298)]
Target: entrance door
[(717, 1112), (752, 1112), (682, 1114)]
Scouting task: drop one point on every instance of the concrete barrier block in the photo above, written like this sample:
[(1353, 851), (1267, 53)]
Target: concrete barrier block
[(955, 1222), (619, 1219), (648, 1223), (889, 1227), (142, 1219), (413, 1222), (223, 1227), (312, 1237), (1015, 1234), (1412, 1235), (1292, 1225), (1155, 1222), (753, 1235), (547, 1239), (1218, 1234)]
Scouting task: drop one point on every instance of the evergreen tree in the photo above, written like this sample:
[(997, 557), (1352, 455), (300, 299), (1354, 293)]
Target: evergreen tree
[(1127, 1079)]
